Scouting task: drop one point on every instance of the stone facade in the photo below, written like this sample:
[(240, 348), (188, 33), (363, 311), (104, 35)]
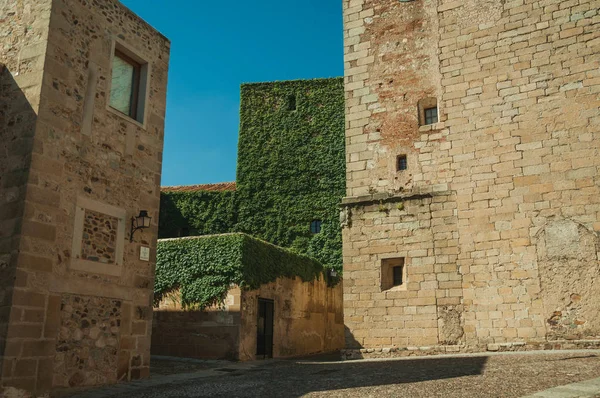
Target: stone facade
[(75, 299), (496, 214), (308, 319)]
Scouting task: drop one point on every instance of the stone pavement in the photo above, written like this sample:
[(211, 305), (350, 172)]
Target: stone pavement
[(584, 389), (564, 374)]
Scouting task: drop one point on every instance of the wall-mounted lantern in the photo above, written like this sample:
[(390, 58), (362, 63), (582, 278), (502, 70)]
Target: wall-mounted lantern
[(331, 276), (140, 222)]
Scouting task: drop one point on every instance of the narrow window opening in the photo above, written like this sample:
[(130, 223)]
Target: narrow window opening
[(315, 227), (125, 85), (129, 75), (401, 163), (292, 102), (431, 116)]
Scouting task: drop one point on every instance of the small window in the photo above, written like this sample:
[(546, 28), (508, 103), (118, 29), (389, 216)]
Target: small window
[(315, 226), (125, 85), (393, 273), (428, 111), (431, 116), (128, 84), (292, 103), (401, 163)]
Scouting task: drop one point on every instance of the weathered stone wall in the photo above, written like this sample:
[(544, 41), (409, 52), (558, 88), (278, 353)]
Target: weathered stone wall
[(511, 168), (209, 334), (23, 38), (308, 318), (85, 158)]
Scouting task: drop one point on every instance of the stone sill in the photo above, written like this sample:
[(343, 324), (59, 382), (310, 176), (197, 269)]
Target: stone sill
[(386, 197), (432, 127)]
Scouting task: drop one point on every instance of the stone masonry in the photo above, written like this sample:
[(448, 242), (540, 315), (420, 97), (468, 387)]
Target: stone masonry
[(75, 298), (496, 214)]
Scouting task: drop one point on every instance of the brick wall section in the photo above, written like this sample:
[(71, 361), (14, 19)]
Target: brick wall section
[(511, 165), (84, 152)]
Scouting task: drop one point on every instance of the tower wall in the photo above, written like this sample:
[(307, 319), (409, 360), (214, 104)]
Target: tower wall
[(509, 168)]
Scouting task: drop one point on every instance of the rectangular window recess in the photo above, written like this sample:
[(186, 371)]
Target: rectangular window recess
[(393, 273), (292, 102), (315, 226), (128, 83), (401, 163)]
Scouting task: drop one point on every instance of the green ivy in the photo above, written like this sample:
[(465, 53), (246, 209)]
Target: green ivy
[(204, 268), (291, 171), (291, 165), (200, 212)]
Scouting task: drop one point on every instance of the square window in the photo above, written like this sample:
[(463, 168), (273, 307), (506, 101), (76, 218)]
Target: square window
[(315, 226), (431, 115), (401, 163), (393, 273)]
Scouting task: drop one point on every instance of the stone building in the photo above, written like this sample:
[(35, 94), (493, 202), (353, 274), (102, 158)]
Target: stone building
[(473, 193), (287, 315), (290, 175), (82, 105)]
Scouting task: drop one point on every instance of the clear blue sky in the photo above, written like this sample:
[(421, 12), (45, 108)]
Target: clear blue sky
[(216, 46)]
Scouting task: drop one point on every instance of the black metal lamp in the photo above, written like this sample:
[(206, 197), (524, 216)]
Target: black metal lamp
[(140, 222), (331, 276)]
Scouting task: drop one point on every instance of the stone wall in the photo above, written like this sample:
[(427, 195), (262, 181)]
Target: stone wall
[(23, 36), (497, 213), (84, 158), (308, 318), (210, 334)]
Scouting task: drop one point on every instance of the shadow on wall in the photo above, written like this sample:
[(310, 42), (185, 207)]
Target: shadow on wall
[(17, 128), (196, 334), (351, 342)]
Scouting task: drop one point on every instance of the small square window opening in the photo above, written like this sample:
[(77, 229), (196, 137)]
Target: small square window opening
[(431, 116), (393, 273), (401, 163), (315, 226)]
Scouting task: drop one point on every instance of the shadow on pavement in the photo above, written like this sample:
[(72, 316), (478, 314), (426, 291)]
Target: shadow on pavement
[(349, 374)]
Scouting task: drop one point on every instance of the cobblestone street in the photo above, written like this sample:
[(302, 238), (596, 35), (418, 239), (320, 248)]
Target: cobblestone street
[(503, 375)]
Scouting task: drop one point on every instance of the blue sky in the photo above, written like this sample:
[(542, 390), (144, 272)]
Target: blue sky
[(216, 46)]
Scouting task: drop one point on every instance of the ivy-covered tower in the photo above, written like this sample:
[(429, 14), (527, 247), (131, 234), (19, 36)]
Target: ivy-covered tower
[(290, 177)]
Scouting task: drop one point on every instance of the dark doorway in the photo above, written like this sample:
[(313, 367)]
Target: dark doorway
[(264, 335)]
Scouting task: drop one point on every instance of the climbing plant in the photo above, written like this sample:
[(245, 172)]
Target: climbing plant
[(204, 268), (196, 212), (291, 171), (291, 165)]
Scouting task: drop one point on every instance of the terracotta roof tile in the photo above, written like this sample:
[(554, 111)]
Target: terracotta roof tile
[(219, 187)]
